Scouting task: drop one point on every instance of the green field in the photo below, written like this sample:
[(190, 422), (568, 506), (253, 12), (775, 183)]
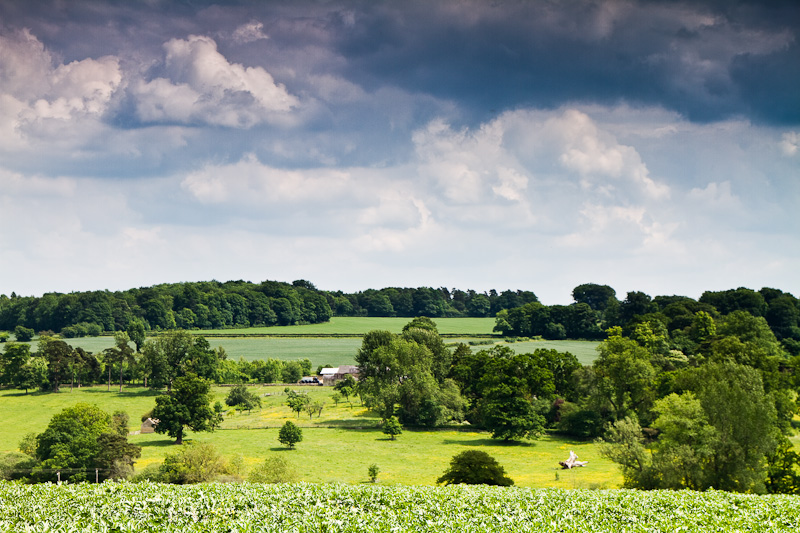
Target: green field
[(585, 351), (349, 325), (318, 343), (334, 508), (319, 350), (347, 433), (337, 446)]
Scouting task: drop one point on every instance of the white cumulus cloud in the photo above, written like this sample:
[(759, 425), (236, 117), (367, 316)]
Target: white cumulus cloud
[(39, 98), (201, 86)]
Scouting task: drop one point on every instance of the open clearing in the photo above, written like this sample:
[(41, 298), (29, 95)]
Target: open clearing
[(338, 446)]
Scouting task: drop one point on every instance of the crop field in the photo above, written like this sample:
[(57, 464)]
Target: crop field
[(585, 351), (320, 344), (349, 325), (337, 446), (304, 507)]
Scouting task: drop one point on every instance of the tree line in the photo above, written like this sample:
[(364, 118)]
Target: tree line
[(236, 304), (596, 308), (155, 363)]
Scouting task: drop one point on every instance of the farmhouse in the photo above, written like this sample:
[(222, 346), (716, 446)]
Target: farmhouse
[(330, 376)]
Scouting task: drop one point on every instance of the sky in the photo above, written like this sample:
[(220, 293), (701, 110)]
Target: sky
[(537, 145)]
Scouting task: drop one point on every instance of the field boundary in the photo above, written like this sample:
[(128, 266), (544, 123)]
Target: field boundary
[(336, 335)]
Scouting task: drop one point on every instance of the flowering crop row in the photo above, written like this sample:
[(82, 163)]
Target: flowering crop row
[(126, 507)]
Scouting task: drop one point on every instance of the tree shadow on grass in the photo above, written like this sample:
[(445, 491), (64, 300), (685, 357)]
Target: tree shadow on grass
[(349, 424), (159, 443), (30, 392), (494, 443), (141, 393), (282, 449)]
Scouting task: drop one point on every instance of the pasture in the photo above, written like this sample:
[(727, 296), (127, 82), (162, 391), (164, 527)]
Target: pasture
[(337, 446), (340, 443)]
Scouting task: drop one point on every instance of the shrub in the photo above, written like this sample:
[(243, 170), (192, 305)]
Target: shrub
[(392, 427), (23, 334), (15, 465), (193, 463), (242, 399), (4, 336), (274, 469), (373, 472), (474, 467)]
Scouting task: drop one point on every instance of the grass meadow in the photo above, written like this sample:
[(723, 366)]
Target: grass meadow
[(319, 343), (344, 440), (337, 446)]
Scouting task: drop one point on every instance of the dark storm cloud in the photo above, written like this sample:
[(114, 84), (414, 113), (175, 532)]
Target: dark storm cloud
[(508, 54)]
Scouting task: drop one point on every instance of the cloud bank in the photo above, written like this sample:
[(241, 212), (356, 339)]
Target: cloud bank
[(648, 145)]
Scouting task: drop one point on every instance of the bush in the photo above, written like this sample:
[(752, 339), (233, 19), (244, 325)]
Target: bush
[(290, 434), (392, 427), (242, 399), (151, 472), (373, 472), (193, 463), (4, 336), (274, 469), (474, 467), (23, 334), (15, 465)]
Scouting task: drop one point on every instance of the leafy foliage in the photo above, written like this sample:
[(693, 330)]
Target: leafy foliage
[(186, 407), (407, 374), (242, 399), (274, 469), (290, 434), (372, 471), (392, 427), (475, 467), (79, 439), (376, 508), (192, 463)]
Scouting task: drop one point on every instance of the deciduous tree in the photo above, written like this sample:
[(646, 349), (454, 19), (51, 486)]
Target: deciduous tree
[(186, 407), (475, 467), (290, 434)]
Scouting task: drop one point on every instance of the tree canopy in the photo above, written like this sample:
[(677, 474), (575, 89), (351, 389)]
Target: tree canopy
[(187, 406), (475, 467)]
